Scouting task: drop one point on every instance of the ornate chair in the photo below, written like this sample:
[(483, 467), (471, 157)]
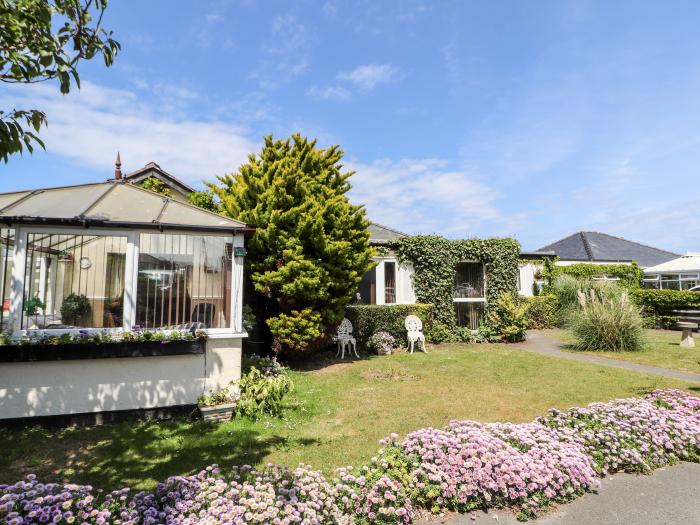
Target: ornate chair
[(345, 339), (414, 332)]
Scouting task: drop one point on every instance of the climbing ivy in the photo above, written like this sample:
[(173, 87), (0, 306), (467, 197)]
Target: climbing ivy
[(435, 259), (630, 275)]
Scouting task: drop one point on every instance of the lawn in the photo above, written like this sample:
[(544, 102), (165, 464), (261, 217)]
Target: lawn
[(339, 411), (661, 348)]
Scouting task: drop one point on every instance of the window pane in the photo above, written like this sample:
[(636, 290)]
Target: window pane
[(7, 249), (469, 315), (74, 281), (389, 282), (368, 287), (184, 281), (469, 281)]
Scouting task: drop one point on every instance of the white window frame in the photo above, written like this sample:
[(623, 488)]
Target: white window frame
[(19, 259)]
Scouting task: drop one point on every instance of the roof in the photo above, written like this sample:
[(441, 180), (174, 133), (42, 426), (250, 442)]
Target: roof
[(685, 263), (537, 255), (600, 247), (154, 170), (379, 234), (109, 203)]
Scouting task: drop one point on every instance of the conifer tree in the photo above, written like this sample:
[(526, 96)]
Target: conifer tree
[(311, 245)]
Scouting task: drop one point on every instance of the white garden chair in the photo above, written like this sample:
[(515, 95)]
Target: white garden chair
[(414, 332), (345, 339)]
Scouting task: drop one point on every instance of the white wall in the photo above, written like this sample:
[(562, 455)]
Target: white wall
[(404, 281), (527, 273), (47, 388)]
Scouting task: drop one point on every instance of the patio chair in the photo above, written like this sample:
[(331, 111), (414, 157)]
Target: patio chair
[(345, 339), (414, 332)]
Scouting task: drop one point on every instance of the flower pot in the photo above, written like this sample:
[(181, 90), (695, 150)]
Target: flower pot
[(217, 413)]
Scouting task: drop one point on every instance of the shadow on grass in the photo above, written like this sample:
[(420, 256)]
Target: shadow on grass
[(135, 454)]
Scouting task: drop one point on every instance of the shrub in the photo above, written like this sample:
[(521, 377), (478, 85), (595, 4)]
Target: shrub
[(370, 319), (383, 343), (611, 324), (629, 275), (74, 309), (508, 319), (439, 333), (542, 311), (264, 384)]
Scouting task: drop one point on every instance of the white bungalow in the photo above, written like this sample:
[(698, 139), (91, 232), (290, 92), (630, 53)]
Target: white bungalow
[(139, 260)]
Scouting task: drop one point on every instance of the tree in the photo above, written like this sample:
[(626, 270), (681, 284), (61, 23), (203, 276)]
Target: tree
[(310, 247), (204, 199), (155, 184), (32, 51)]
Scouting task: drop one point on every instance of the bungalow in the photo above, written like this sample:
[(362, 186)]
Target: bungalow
[(108, 258)]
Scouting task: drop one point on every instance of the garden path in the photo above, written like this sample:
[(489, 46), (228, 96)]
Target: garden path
[(541, 344), (669, 496)]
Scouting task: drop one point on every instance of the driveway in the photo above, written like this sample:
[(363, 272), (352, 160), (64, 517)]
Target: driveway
[(669, 496)]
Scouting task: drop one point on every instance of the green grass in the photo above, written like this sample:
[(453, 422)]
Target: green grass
[(339, 411), (661, 348)]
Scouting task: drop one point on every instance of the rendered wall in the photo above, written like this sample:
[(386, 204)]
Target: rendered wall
[(50, 388)]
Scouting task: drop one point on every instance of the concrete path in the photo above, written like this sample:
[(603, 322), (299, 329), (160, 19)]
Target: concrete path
[(669, 496), (541, 344)]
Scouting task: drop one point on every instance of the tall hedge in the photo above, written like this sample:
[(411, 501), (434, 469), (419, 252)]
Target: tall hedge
[(370, 319), (665, 300), (630, 275), (435, 259)]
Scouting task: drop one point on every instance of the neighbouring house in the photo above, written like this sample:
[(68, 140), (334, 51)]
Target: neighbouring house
[(138, 259), (178, 189), (682, 273), (530, 281)]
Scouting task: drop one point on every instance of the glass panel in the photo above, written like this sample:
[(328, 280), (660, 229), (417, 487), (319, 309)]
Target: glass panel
[(74, 281), (469, 281), (651, 283), (469, 314), (126, 203), (368, 287), (184, 281), (176, 213), (669, 285), (389, 282), (688, 284), (61, 203), (7, 248), (8, 198)]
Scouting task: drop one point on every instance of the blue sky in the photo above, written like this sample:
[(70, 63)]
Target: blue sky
[(530, 119)]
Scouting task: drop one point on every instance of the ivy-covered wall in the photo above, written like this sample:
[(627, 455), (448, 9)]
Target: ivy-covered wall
[(630, 275), (435, 259)]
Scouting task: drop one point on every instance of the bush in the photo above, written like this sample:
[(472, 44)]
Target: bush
[(382, 343), (508, 319), (370, 319), (610, 324), (665, 300), (439, 333), (629, 275), (264, 384), (542, 311), (74, 309)]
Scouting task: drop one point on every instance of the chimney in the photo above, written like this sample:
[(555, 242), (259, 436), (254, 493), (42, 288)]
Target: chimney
[(118, 168)]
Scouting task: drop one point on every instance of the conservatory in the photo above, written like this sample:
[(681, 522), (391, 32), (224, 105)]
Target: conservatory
[(115, 259), (682, 273)]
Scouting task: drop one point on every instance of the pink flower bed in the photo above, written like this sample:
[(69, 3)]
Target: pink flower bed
[(464, 466)]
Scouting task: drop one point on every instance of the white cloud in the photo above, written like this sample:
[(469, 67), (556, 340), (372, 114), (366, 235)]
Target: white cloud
[(89, 127), (423, 196), (329, 93), (368, 76)]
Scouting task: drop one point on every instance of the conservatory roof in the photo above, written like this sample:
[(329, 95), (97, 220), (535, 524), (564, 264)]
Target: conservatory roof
[(686, 263), (113, 204)]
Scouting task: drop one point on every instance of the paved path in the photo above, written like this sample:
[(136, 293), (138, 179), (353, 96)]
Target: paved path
[(669, 496), (541, 344)]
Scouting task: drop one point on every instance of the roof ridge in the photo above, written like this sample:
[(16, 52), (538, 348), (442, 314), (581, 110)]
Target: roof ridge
[(155, 166), (586, 245), (390, 229)]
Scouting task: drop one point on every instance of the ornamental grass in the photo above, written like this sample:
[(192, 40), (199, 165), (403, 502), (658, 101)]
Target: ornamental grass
[(464, 466)]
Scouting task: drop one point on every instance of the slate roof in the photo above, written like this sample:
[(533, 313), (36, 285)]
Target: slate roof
[(379, 234), (111, 203), (154, 170), (600, 247)]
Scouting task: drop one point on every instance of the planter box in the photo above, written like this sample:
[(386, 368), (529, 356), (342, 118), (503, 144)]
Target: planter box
[(74, 351), (218, 413)]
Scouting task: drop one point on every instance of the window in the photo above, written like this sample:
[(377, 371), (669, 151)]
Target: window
[(469, 281), (389, 282), (469, 314), (184, 281), (368, 287), (74, 281), (7, 248)]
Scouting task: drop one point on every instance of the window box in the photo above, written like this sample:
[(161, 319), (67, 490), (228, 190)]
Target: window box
[(74, 351)]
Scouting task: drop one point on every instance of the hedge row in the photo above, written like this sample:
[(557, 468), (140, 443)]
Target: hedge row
[(665, 300), (370, 319), (542, 311), (629, 275)]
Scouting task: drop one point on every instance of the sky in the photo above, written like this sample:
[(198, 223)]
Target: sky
[(462, 118)]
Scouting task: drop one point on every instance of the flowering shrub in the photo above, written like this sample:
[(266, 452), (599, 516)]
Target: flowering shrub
[(383, 343), (464, 466), (635, 435), (264, 384)]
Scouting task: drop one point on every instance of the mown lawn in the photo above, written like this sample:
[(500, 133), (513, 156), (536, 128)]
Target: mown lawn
[(661, 348), (338, 413)]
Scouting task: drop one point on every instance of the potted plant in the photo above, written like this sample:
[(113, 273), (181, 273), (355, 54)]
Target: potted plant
[(217, 407), (74, 309)]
